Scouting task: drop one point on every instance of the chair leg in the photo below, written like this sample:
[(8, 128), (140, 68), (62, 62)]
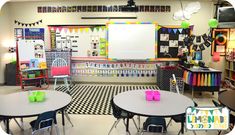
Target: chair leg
[(68, 118), (169, 123), (19, 124), (114, 125), (57, 130), (117, 122), (138, 118), (55, 83), (135, 124), (66, 84)]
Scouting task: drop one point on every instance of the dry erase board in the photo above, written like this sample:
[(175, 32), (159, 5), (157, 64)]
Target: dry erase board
[(170, 39), (131, 41), (31, 54)]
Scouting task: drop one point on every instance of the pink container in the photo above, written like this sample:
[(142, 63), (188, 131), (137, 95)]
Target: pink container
[(149, 95), (156, 95)]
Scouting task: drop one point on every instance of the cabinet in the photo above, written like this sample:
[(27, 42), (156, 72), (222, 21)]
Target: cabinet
[(34, 77), (230, 70), (10, 74)]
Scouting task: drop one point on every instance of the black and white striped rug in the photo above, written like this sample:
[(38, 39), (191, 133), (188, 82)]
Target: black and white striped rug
[(94, 99)]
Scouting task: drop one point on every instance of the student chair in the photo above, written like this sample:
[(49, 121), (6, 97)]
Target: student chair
[(154, 124), (231, 116), (178, 119), (60, 70), (44, 122), (2, 120), (120, 114)]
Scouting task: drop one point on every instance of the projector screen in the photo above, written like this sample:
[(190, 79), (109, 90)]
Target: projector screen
[(131, 41)]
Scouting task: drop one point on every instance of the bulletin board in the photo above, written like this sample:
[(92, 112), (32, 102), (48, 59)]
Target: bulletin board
[(131, 41), (221, 37), (170, 39), (83, 41), (31, 54)]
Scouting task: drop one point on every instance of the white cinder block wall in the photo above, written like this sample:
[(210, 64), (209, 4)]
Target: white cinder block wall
[(27, 12)]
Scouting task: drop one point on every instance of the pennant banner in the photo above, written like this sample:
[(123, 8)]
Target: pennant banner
[(28, 24)]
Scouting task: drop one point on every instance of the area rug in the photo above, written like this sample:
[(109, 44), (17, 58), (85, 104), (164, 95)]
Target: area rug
[(91, 99)]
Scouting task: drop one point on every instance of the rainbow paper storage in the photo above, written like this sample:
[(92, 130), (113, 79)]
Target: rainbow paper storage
[(152, 95)]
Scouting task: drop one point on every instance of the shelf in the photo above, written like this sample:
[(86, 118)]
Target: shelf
[(230, 79), (230, 69), (25, 79)]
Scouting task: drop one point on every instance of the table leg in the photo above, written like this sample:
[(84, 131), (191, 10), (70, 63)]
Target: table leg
[(62, 113), (182, 124), (127, 124), (7, 126), (192, 93)]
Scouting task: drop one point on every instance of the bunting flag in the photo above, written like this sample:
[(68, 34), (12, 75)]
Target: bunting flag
[(175, 30), (27, 24), (169, 30), (158, 27), (180, 30), (81, 30)]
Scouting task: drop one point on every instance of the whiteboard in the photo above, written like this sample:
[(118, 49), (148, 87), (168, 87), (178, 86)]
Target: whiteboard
[(131, 41)]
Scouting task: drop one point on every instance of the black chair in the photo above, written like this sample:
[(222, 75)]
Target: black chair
[(231, 116), (155, 124), (120, 114), (178, 119), (44, 121)]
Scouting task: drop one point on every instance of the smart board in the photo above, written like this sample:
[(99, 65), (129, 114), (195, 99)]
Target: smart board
[(131, 41)]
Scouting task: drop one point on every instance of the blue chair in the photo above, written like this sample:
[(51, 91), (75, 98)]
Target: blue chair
[(45, 121), (120, 114)]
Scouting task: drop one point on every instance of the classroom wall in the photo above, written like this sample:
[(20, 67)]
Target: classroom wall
[(5, 39), (27, 12)]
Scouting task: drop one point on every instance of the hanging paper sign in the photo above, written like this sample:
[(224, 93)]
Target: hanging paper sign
[(195, 47), (204, 37), (210, 39), (192, 37), (201, 46), (198, 39), (207, 44)]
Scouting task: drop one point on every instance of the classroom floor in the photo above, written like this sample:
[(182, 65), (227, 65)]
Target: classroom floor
[(101, 124)]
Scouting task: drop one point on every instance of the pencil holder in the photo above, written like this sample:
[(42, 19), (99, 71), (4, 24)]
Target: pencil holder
[(149, 95), (156, 95)]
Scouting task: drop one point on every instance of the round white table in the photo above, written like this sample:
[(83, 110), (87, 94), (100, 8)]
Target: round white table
[(17, 105), (170, 104)]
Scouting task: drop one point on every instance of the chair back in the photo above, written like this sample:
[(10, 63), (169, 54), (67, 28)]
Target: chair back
[(60, 67), (155, 124), (216, 104), (179, 84), (45, 120), (116, 110)]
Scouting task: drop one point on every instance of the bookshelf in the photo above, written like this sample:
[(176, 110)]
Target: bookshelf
[(230, 70)]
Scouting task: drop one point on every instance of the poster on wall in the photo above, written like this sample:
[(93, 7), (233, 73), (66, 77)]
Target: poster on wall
[(35, 56), (220, 41), (83, 41)]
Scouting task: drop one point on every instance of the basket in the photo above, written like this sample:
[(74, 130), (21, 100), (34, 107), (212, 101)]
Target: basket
[(179, 82)]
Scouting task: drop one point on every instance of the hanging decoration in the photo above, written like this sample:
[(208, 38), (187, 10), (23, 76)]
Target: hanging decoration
[(28, 24), (185, 24), (213, 23), (199, 42)]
